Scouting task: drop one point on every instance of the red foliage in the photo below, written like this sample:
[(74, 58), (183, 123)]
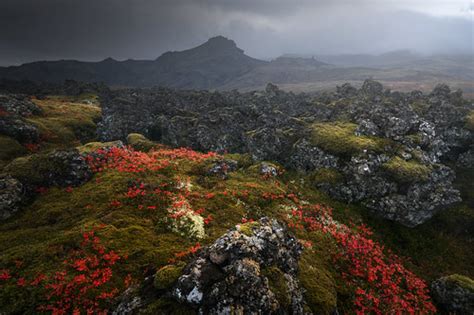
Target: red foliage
[(184, 153), (189, 251), (41, 190), (5, 275), (3, 112), (83, 284), (124, 160), (32, 147), (130, 161), (381, 284), (115, 203)]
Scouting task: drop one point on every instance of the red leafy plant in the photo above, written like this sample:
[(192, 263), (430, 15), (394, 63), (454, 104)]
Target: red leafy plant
[(379, 281), (84, 285), (130, 161)]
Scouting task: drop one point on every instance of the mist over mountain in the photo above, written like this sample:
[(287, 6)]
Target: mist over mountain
[(220, 64), (94, 30)]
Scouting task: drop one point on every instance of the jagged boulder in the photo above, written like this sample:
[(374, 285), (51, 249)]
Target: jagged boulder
[(250, 270), (371, 88), (454, 294), (307, 157), (13, 109), (222, 167), (19, 105), (419, 201), (11, 195), (59, 168), (19, 129)]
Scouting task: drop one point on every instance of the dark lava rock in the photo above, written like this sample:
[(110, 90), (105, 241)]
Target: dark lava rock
[(13, 109), (42, 88), (18, 129), (454, 294), (11, 196), (59, 168), (372, 88), (20, 105), (274, 125), (249, 270), (420, 201), (222, 167), (268, 170)]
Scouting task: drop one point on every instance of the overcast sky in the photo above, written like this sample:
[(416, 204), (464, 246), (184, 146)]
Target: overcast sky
[(144, 29)]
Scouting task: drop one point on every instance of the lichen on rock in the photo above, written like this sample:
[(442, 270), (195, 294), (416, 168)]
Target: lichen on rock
[(245, 273)]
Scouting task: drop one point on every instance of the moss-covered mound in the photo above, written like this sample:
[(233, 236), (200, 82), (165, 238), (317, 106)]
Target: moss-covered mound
[(139, 142), (64, 124), (406, 171), (470, 120), (339, 138), (10, 149)]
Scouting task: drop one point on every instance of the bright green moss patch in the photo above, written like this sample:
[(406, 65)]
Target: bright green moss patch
[(339, 138), (65, 124), (10, 148), (406, 171), (315, 276), (277, 284), (94, 146), (247, 228), (166, 276), (34, 168), (462, 281), (470, 120), (326, 175), (140, 142)]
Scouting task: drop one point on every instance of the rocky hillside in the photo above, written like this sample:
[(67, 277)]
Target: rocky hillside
[(390, 151), (282, 208)]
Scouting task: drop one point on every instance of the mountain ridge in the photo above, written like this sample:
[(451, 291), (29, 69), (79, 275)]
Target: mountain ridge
[(221, 65)]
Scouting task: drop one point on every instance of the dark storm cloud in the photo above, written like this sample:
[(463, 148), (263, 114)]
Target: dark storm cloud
[(95, 29)]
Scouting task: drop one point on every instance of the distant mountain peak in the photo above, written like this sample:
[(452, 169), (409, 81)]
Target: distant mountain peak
[(221, 41), (220, 44), (109, 59)]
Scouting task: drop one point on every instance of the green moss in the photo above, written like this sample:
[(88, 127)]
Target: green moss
[(417, 138), (470, 120), (166, 306), (243, 160), (339, 138), (420, 107), (406, 171), (46, 230), (34, 168), (140, 142), (315, 276), (94, 146), (277, 284), (462, 281), (10, 148), (166, 276), (326, 175), (247, 228), (64, 124)]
